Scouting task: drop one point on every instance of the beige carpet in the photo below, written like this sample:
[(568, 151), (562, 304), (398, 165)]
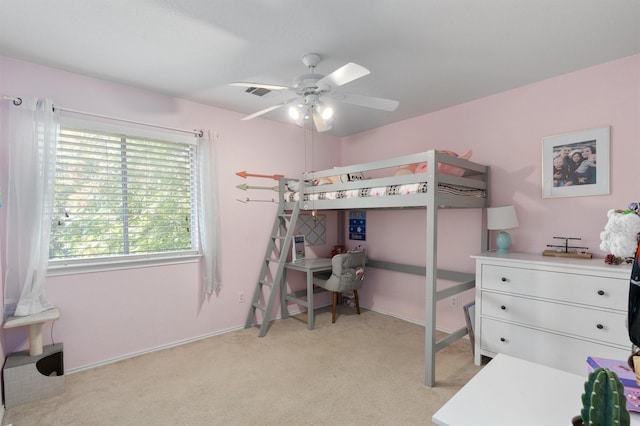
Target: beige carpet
[(362, 370)]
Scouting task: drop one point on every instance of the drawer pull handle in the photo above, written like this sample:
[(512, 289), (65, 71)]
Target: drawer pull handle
[(502, 339), (600, 292), (599, 326), (503, 279), (504, 308)]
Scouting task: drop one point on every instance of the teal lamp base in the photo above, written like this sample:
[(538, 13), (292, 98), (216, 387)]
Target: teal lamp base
[(503, 241)]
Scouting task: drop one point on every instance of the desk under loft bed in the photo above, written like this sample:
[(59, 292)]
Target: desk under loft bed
[(373, 185)]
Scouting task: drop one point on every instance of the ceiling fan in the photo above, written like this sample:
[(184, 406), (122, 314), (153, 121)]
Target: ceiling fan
[(314, 94)]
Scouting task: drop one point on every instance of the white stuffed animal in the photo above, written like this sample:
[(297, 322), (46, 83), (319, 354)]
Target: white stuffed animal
[(620, 233)]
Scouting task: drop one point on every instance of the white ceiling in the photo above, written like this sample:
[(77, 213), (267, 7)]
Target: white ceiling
[(427, 54)]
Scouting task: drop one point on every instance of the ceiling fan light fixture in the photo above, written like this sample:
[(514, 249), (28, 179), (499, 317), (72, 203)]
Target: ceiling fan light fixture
[(294, 113), (327, 113), (311, 88), (301, 120)]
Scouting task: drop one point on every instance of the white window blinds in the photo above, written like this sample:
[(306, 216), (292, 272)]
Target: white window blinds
[(121, 195)]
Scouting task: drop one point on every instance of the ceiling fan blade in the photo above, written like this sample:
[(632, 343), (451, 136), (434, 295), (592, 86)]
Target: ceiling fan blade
[(259, 85), (369, 102), (262, 112), (269, 109), (344, 75), (320, 124)]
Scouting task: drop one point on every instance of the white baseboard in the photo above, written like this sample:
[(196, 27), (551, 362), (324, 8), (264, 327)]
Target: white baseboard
[(404, 318), (205, 336), (150, 350)]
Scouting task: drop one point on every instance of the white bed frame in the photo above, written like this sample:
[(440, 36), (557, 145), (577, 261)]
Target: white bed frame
[(475, 176)]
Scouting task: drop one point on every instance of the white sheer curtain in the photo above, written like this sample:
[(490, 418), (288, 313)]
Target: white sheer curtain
[(209, 213), (30, 134)]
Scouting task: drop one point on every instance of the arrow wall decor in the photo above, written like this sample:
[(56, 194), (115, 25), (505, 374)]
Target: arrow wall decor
[(245, 175), (245, 187)]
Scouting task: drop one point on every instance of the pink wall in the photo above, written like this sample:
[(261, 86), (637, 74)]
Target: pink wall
[(107, 316), (505, 131)]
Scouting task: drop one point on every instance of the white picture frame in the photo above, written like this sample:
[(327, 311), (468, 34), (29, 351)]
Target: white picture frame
[(587, 175)]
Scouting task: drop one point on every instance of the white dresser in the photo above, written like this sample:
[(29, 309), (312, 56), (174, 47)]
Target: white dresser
[(550, 310)]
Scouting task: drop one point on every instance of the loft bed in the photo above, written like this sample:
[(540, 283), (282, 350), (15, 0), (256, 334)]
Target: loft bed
[(373, 185)]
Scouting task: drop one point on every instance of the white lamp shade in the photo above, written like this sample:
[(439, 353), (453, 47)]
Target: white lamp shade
[(501, 218)]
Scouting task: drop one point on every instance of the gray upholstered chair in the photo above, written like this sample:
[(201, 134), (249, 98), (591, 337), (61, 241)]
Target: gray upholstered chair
[(347, 273)]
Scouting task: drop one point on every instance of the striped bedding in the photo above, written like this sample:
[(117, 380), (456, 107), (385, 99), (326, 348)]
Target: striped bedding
[(390, 190)]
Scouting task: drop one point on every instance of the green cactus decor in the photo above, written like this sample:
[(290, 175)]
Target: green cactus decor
[(603, 400)]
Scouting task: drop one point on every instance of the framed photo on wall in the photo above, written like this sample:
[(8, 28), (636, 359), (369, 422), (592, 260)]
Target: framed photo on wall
[(576, 164)]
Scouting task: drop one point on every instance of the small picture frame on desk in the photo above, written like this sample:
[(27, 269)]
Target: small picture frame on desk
[(297, 250)]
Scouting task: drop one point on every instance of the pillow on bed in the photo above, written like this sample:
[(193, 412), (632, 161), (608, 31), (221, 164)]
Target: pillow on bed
[(327, 180), (350, 177), (446, 168), (409, 169)]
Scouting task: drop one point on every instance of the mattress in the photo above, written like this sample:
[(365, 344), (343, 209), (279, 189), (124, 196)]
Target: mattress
[(383, 191)]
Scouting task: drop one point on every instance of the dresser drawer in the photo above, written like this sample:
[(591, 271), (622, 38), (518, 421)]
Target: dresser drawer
[(594, 324), (593, 290), (554, 350)]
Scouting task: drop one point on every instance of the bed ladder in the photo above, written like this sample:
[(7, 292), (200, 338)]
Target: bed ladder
[(277, 252)]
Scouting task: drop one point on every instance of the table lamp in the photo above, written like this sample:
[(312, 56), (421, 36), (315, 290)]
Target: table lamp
[(501, 218)]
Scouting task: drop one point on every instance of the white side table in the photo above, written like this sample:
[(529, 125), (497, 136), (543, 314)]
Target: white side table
[(510, 391)]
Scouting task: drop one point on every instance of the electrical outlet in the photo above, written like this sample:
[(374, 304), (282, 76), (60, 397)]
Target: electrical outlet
[(454, 301), (241, 297)]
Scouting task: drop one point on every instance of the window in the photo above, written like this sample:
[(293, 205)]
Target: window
[(120, 196)]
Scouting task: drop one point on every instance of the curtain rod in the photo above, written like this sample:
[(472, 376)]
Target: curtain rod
[(198, 133)]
